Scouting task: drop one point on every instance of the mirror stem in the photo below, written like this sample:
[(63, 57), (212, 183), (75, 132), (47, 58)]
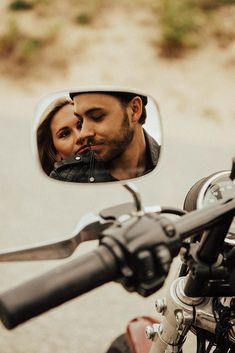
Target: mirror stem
[(136, 195)]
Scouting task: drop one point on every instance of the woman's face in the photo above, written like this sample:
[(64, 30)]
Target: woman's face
[(65, 130)]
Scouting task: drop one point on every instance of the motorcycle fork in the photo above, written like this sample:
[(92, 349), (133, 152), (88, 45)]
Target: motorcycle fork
[(179, 314), (135, 334)]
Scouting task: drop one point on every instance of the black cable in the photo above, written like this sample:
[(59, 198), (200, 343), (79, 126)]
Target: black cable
[(230, 257), (173, 210), (222, 315), (210, 345), (183, 270), (201, 340)]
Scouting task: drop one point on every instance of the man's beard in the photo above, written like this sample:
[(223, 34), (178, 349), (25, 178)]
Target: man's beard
[(117, 146)]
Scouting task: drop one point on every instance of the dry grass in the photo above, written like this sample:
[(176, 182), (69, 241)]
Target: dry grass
[(26, 52), (181, 25), (22, 51), (186, 24)]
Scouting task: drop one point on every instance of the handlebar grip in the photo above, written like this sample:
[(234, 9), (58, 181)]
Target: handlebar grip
[(57, 286)]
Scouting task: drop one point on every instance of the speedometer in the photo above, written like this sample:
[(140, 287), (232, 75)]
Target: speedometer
[(210, 190)]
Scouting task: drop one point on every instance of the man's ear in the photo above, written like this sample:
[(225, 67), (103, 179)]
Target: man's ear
[(136, 107)]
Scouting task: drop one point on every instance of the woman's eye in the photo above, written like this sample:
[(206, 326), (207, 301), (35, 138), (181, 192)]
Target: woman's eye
[(64, 133)]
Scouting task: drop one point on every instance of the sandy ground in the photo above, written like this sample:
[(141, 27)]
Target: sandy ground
[(196, 98)]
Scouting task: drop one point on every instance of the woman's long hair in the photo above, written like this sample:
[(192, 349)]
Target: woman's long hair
[(46, 149)]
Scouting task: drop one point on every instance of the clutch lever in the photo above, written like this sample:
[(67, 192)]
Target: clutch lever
[(88, 228)]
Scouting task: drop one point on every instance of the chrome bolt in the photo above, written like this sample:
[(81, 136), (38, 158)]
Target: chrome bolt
[(151, 330), (160, 305), (158, 328), (179, 317), (170, 230), (183, 319)]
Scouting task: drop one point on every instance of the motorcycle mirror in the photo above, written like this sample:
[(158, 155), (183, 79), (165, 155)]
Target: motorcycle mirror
[(97, 134)]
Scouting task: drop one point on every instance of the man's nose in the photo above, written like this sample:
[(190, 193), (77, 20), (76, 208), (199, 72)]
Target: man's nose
[(86, 131), (77, 136)]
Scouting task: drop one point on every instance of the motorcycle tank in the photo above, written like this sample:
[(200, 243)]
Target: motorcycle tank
[(97, 134)]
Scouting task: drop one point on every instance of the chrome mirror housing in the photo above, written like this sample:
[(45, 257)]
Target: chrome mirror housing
[(97, 134)]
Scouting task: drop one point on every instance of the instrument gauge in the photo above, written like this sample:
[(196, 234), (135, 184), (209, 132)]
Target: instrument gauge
[(218, 187)]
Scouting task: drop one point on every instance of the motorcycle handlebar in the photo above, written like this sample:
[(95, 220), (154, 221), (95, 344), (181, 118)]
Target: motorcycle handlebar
[(101, 266), (57, 286)]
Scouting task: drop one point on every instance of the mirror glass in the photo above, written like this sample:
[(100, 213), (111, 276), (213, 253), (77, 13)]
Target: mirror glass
[(97, 134)]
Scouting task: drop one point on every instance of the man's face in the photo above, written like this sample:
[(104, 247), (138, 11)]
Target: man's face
[(105, 125)]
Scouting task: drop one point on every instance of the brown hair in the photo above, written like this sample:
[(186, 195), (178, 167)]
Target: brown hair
[(46, 149), (124, 98)]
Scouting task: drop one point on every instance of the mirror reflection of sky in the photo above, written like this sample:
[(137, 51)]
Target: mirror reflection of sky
[(153, 121)]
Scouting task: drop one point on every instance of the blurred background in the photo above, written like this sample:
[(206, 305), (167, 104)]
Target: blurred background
[(182, 52)]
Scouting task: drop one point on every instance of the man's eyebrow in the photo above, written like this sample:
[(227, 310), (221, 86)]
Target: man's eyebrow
[(89, 111)]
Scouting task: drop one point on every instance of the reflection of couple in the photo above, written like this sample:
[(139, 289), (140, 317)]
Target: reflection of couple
[(96, 136)]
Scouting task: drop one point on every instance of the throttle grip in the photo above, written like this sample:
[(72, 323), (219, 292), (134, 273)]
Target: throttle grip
[(57, 286)]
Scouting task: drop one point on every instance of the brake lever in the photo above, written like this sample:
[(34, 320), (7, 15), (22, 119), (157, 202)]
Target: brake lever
[(90, 227)]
